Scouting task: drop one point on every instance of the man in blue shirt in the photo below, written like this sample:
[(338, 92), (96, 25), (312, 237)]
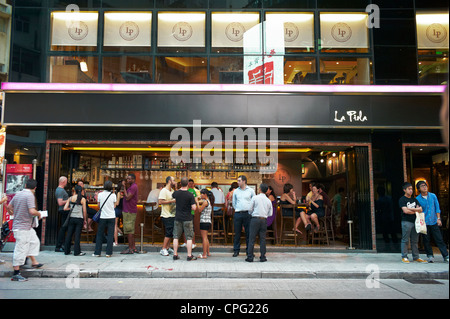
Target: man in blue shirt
[(242, 197), (430, 206)]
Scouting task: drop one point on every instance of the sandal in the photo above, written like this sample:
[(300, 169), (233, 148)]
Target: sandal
[(202, 257), (37, 265), (127, 252)]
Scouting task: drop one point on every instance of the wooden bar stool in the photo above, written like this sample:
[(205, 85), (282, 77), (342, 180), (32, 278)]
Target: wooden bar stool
[(290, 232), (151, 213), (220, 232), (322, 235)]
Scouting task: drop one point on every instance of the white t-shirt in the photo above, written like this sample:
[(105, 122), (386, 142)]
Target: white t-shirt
[(108, 208)]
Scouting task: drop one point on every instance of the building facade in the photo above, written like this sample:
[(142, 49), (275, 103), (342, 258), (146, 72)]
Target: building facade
[(353, 89)]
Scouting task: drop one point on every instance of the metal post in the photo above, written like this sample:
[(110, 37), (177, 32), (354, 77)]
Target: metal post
[(350, 222), (142, 239), (34, 168)]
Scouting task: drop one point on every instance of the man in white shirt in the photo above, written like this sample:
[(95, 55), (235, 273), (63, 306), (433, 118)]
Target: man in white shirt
[(168, 207), (219, 197), (260, 209)]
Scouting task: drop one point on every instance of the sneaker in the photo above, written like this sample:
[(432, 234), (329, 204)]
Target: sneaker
[(420, 260), (170, 250), (80, 254), (175, 257), (405, 260), (430, 260), (250, 260), (183, 245), (94, 255), (2, 261), (446, 259), (189, 258), (193, 246), (18, 277), (164, 252)]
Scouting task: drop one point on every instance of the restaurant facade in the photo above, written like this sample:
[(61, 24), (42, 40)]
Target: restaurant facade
[(345, 95)]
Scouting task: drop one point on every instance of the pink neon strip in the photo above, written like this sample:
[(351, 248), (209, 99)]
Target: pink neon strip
[(16, 86)]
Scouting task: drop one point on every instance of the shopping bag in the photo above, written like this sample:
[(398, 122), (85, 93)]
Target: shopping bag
[(421, 227)]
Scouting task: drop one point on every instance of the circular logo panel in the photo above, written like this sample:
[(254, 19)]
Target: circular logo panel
[(235, 31), (341, 32), (436, 33), (290, 32), (182, 31), (78, 30), (129, 31)]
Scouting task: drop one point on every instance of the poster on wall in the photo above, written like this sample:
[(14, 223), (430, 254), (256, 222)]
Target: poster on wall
[(74, 29), (15, 178), (127, 29), (181, 29), (267, 68)]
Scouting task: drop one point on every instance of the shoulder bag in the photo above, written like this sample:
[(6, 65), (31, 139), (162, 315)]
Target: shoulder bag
[(96, 217)]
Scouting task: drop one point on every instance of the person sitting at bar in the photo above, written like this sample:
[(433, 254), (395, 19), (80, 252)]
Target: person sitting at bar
[(316, 209), (289, 198), (219, 198)]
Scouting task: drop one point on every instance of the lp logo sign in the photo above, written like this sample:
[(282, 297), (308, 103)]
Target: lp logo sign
[(373, 20)]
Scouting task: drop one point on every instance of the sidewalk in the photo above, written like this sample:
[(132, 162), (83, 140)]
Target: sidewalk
[(289, 264)]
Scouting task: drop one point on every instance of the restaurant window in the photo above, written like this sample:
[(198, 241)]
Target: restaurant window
[(300, 71), (354, 71), (298, 30), (73, 69), (173, 69), (344, 32), (181, 32), (228, 29), (74, 31), (127, 69), (127, 31), (432, 45), (227, 70)]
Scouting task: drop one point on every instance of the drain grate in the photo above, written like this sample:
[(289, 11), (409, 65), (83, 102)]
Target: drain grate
[(424, 282), (120, 297)]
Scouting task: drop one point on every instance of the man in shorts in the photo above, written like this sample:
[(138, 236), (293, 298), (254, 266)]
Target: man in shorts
[(185, 203), (23, 208), (167, 203), (129, 212)]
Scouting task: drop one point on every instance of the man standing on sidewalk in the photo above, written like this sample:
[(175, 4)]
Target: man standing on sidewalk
[(129, 212), (242, 197), (23, 208), (432, 211), (185, 202), (409, 206), (61, 198), (260, 208), (167, 203)]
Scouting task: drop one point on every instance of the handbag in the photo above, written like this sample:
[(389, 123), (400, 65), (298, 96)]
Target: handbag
[(421, 227), (97, 215), (66, 222)]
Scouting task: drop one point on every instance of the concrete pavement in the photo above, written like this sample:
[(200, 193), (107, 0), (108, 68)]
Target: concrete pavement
[(283, 262)]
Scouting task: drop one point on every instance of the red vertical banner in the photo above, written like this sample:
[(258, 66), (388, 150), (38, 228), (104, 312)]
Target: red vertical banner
[(15, 178)]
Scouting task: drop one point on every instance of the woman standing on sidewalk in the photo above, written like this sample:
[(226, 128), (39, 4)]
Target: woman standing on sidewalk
[(205, 220), (77, 219), (107, 201)]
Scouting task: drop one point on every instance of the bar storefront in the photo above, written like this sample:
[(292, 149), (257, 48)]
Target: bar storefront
[(351, 139)]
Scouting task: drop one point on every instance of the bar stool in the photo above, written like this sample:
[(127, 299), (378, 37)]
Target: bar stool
[(272, 233), (151, 213), (220, 232), (229, 223), (322, 234), (291, 232)]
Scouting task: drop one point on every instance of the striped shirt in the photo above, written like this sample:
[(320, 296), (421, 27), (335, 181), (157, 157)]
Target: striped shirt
[(21, 203), (205, 216)]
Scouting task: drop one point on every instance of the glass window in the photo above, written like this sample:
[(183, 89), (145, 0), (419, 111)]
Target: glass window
[(344, 32), (235, 4), (355, 71), (433, 70), (300, 71), (127, 69), (74, 31), (73, 69), (432, 31), (290, 4), (298, 30), (181, 31), (181, 70), (228, 29), (227, 70), (127, 31)]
